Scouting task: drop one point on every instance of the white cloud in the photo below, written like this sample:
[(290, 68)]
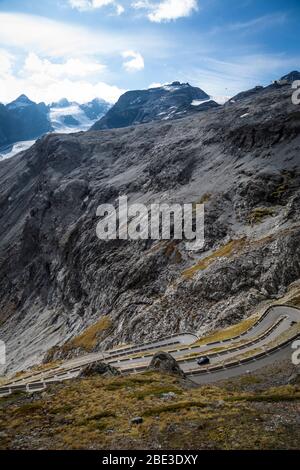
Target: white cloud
[(167, 10), (135, 61), (44, 80), (71, 68), (6, 63), (53, 59), (48, 37), (83, 5), (256, 24), (139, 4), (261, 22), (77, 90), (57, 39), (88, 5), (80, 5), (155, 85), (119, 9)]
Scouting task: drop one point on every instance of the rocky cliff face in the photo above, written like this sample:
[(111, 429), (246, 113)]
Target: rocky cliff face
[(57, 278), (156, 104)]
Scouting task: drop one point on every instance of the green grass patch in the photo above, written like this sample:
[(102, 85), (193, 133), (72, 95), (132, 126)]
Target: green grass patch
[(230, 332), (276, 398), (101, 415), (234, 246), (88, 339), (174, 407), (259, 214), (122, 382), (280, 190), (29, 408), (156, 392)]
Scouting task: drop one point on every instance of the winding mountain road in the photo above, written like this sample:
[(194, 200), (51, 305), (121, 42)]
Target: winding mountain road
[(269, 340)]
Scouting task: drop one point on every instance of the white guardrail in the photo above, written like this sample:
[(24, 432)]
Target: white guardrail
[(52, 376)]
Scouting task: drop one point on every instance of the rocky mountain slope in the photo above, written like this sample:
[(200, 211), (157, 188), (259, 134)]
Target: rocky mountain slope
[(171, 101), (57, 278)]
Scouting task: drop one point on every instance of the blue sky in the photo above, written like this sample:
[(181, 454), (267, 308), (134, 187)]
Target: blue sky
[(86, 48)]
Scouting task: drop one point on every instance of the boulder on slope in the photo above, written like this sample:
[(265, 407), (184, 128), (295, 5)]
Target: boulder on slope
[(99, 368), (165, 363)]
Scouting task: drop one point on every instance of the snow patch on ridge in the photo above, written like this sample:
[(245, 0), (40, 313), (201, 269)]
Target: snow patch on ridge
[(198, 102), (12, 150)]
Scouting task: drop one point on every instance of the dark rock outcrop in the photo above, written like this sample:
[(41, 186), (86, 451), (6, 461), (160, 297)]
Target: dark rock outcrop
[(99, 368), (69, 120), (165, 363), (137, 420)]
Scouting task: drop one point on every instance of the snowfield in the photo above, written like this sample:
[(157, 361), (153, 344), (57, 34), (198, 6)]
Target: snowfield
[(57, 116), (11, 150)]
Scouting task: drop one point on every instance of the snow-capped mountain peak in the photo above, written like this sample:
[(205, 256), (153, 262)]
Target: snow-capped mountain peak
[(21, 102)]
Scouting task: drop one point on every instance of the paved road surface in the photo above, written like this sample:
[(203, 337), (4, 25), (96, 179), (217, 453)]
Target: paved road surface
[(275, 322)]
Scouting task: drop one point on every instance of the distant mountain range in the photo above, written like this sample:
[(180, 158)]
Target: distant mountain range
[(24, 120), (172, 101)]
